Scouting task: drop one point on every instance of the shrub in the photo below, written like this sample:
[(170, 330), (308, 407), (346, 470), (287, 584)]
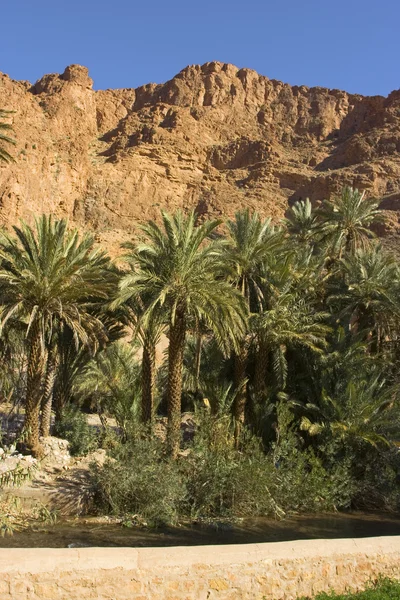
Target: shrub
[(212, 479), (74, 427), (376, 478), (222, 481), (139, 481), (303, 484)]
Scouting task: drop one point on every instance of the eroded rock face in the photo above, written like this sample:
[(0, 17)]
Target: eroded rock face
[(215, 138)]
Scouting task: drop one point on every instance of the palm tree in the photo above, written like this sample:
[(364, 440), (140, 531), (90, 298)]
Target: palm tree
[(291, 321), (250, 241), (48, 388), (4, 138), (288, 280), (346, 220), (113, 377), (368, 296), (302, 222), (184, 276), (366, 410), (73, 358), (50, 277), (148, 332)]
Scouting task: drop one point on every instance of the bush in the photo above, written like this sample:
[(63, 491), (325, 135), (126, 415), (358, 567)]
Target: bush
[(140, 481), (304, 484), (74, 427), (376, 479), (221, 481), (212, 479)]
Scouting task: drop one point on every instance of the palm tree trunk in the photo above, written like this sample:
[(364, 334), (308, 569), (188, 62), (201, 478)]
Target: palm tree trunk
[(33, 389), (241, 390), (62, 393), (177, 333), (58, 404), (103, 418), (349, 245), (199, 343), (260, 368), (48, 388), (148, 380)]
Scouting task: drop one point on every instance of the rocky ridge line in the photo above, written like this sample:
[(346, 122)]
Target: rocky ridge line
[(214, 138)]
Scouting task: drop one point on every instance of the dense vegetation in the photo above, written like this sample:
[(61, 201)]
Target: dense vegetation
[(282, 343), (381, 590)]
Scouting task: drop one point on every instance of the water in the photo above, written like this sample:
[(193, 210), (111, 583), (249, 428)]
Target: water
[(88, 532)]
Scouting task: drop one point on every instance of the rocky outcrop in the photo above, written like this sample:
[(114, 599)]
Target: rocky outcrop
[(214, 138)]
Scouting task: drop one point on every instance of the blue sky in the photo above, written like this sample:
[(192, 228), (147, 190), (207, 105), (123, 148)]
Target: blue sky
[(352, 45)]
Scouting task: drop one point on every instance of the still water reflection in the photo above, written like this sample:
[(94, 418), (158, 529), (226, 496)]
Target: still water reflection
[(87, 532)]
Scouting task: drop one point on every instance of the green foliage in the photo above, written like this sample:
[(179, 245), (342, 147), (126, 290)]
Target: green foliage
[(15, 517), (45, 515), (305, 483), (139, 481), (345, 221), (364, 412), (302, 222), (21, 472), (182, 275), (180, 271), (312, 485), (368, 293), (17, 476), (50, 274), (10, 516), (112, 379), (52, 279), (213, 479), (382, 589), (250, 241), (73, 426), (287, 332), (222, 482), (12, 363)]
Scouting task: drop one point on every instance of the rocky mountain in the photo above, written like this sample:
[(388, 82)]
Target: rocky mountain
[(214, 138)]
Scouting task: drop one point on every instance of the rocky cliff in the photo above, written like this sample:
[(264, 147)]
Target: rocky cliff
[(214, 138)]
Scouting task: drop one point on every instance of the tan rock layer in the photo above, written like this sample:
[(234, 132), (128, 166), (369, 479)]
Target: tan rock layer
[(214, 138)]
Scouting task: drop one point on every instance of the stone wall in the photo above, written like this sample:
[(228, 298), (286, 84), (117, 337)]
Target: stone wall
[(273, 571)]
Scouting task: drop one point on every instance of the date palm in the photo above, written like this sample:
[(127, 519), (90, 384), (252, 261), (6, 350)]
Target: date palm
[(113, 377), (250, 240), (302, 222), (51, 276), (183, 275), (368, 296), (291, 322), (366, 410), (346, 221), (51, 363), (287, 278), (73, 358), (149, 332), (4, 138)]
